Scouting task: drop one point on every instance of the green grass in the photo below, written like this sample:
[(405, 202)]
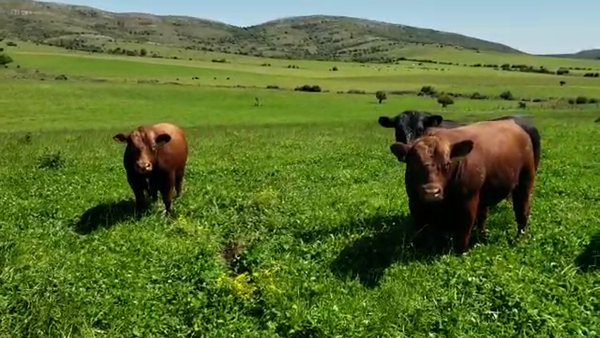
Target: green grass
[(307, 189)]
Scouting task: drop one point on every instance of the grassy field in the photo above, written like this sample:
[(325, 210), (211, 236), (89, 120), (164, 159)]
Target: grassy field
[(294, 220)]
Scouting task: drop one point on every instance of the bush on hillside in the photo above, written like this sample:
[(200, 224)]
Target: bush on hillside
[(507, 95), (562, 83), (581, 100), (428, 90), (5, 59), (478, 96), (308, 88)]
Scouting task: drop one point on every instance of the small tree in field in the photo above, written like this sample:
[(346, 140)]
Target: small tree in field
[(445, 101), (5, 59), (381, 95)]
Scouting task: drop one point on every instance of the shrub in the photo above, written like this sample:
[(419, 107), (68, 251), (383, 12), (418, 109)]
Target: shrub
[(381, 95), (562, 71), (428, 90), (478, 96), (592, 100), (334, 69), (522, 105), (571, 101), (61, 78), (11, 44), (581, 100), (143, 52), (308, 88), (272, 87), (562, 83), (445, 100), (5, 59), (355, 91), (219, 60), (507, 95)]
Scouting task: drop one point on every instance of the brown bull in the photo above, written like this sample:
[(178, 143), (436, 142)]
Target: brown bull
[(155, 159), (453, 176)]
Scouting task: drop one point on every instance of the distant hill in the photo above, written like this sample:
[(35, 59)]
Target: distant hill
[(309, 37), (590, 54)]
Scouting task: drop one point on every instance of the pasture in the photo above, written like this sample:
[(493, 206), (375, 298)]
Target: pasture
[(294, 219)]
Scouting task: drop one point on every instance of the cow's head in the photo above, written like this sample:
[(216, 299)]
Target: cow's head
[(410, 125), (142, 147), (429, 162)]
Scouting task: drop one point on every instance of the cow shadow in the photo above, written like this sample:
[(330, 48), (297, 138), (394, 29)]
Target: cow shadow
[(589, 259), (395, 239), (106, 215)]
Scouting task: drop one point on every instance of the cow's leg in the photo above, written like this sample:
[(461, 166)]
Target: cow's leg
[(138, 184), (521, 200), (482, 214), (179, 181), (167, 183), (465, 215)]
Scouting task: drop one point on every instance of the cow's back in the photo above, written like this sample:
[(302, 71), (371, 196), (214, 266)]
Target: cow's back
[(173, 154), (501, 150)]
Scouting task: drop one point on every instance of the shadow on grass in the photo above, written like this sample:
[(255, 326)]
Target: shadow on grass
[(590, 258), (106, 215), (394, 241)]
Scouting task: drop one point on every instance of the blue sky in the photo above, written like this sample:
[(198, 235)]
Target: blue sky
[(533, 26)]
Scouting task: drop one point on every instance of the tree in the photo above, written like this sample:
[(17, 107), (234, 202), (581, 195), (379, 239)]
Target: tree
[(5, 59), (381, 95), (143, 52), (445, 101)]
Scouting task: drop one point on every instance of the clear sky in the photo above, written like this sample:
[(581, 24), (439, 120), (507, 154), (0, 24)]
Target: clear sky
[(533, 26)]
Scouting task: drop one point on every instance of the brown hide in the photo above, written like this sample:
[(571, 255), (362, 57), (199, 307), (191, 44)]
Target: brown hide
[(453, 176), (155, 159)]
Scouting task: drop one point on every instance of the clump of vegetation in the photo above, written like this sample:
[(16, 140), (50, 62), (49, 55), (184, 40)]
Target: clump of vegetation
[(428, 91), (507, 95), (308, 88), (5, 59), (266, 65), (272, 87), (334, 69), (355, 91), (381, 96), (562, 83), (562, 71), (61, 77), (478, 96), (581, 100), (51, 160), (219, 60), (522, 105), (293, 67), (591, 75), (445, 101)]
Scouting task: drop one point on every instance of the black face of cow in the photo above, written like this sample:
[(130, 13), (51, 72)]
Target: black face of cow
[(410, 125)]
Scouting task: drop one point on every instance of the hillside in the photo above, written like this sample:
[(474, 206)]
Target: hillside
[(590, 54), (310, 37)]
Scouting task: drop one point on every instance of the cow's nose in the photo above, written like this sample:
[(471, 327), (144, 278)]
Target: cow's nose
[(433, 190)]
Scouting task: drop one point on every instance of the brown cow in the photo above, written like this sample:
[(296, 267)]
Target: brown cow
[(453, 176), (155, 159)]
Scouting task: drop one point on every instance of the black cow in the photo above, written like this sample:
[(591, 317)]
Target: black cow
[(411, 124)]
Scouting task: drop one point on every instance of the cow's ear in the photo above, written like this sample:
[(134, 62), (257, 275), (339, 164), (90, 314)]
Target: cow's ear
[(433, 121), (461, 149), (123, 138), (387, 122), (162, 139), (400, 150)]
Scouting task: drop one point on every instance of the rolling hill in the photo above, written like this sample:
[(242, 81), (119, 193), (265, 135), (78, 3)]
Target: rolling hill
[(308, 37), (590, 54)]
